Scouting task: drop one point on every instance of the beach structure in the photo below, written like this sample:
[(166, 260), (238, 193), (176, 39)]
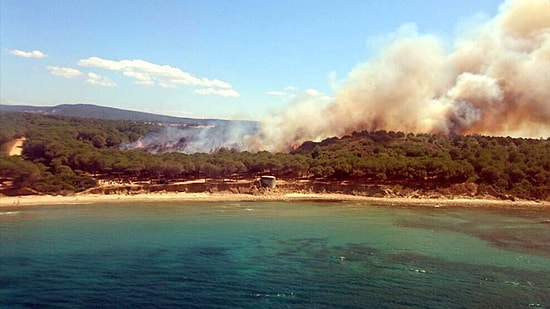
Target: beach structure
[(267, 182)]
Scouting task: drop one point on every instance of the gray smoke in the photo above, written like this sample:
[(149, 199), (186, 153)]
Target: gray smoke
[(206, 139), (495, 81)]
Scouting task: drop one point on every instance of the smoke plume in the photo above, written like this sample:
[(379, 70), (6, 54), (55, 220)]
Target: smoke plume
[(494, 80), (191, 139)]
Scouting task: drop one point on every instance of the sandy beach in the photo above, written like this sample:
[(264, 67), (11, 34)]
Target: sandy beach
[(36, 200)]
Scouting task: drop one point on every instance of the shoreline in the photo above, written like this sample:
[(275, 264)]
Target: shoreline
[(14, 202)]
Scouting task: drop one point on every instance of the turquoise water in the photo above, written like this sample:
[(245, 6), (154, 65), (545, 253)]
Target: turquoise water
[(273, 255)]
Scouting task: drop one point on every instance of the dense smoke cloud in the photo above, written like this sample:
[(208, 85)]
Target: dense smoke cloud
[(494, 80)]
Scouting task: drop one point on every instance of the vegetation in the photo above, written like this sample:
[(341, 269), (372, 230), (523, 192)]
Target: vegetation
[(68, 154), (516, 166)]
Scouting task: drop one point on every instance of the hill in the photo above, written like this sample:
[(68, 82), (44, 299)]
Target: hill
[(173, 134), (110, 113)]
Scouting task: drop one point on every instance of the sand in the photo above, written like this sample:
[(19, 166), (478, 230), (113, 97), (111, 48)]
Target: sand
[(16, 148), (34, 200)]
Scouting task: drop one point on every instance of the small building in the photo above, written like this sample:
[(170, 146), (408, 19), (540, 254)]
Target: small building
[(267, 182)]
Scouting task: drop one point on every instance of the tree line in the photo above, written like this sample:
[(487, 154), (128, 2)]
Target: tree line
[(68, 154)]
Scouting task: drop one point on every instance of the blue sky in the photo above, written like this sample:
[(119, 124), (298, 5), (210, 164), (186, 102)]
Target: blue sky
[(222, 59)]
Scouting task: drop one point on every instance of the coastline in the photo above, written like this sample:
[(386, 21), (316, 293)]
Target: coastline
[(158, 197)]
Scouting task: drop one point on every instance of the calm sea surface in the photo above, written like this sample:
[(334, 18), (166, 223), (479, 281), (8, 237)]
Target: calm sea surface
[(273, 255)]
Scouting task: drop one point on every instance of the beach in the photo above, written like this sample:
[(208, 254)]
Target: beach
[(37, 200)]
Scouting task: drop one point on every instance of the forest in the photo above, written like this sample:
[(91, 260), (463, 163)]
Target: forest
[(63, 155)]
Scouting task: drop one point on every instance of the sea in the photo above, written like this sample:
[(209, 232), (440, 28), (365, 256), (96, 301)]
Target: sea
[(273, 255)]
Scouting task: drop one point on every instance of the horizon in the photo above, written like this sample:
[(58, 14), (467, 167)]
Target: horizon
[(122, 109)]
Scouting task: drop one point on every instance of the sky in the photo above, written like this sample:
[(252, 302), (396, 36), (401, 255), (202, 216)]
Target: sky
[(204, 59)]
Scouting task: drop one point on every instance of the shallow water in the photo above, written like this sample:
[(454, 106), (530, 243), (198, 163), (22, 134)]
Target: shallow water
[(273, 255)]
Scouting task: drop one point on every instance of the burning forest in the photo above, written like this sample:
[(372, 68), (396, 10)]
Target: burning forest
[(493, 80), (193, 139)]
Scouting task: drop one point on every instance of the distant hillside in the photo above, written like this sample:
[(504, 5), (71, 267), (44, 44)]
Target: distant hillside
[(110, 113)]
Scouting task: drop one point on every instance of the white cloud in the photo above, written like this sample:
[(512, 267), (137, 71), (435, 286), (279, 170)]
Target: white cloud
[(317, 95), (146, 73), (312, 92), (90, 78), (31, 54), (277, 93), (64, 72), (285, 92), (140, 78), (293, 93), (96, 79), (219, 92)]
